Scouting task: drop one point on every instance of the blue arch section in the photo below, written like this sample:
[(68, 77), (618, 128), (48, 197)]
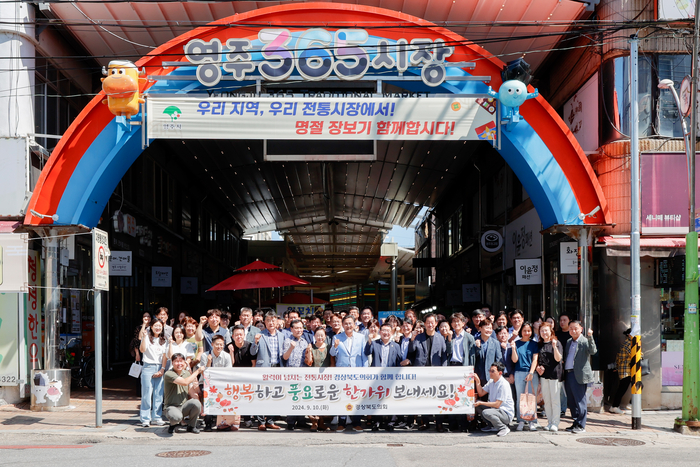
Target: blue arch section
[(97, 174), (114, 151)]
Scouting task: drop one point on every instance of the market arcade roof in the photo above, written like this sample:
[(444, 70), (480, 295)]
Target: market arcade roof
[(335, 214)]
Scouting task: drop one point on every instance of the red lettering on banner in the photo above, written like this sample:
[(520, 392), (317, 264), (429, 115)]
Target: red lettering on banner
[(33, 353), (32, 268), (33, 325)]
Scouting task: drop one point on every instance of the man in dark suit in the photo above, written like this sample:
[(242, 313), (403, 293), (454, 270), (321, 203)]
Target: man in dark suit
[(577, 367), (246, 320), (385, 353), (429, 347), (430, 350), (488, 350)]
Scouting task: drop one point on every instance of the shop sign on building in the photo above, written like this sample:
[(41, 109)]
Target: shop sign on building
[(120, 263), (528, 271), (491, 241), (161, 276), (568, 258), (581, 114), (9, 360), (471, 293), (676, 9), (100, 259), (664, 191), (523, 238), (304, 310), (34, 332), (13, 262), (188, 285)]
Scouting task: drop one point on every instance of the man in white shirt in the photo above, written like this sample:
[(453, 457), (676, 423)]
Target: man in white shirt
[(499, 409)]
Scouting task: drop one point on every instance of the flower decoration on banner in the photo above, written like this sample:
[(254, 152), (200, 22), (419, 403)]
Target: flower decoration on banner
[(463, 396)]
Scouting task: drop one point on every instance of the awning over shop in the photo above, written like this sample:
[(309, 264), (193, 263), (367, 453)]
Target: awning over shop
[(9, 226), (649, 246)]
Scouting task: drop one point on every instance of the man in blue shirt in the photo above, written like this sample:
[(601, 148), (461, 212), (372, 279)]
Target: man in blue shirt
[(349, 351)]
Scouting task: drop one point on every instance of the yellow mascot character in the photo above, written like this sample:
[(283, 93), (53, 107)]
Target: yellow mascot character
[(122, 88)]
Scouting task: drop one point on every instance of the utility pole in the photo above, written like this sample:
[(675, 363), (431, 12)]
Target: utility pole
[(691, 360), (635, 267)]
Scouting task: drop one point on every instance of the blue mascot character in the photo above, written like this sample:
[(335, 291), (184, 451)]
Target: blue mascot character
[(512, 94)]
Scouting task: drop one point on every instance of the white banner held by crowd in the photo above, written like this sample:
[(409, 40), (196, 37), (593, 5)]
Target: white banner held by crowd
[(339, 391), (422, 119)]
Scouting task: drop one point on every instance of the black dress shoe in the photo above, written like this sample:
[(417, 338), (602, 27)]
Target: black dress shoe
[(375, 427), (171, 429), (194, 429), (390, 428), (440, 429), (422, 427)]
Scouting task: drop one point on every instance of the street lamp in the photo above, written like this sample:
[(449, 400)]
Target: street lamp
[(668, 84), (691, 360)]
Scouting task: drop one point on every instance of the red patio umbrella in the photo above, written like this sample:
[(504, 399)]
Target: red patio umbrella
[(258, 275)]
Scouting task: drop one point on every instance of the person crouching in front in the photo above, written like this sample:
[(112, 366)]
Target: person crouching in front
[(176, 386)]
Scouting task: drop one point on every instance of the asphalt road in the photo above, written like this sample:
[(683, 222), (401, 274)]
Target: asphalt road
[(301, 449)]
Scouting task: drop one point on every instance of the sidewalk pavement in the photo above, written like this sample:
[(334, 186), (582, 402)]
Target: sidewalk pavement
[(121, 401)]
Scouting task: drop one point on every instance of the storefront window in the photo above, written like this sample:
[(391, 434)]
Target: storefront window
[(673, 67), (615, 108)]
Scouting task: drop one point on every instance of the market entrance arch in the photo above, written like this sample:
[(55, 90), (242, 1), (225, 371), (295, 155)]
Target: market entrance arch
[(96, 151)]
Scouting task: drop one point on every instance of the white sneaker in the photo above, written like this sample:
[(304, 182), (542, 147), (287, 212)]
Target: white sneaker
[(504, 431), (533, 426), (145, 424), (553, 428), (519, 427), (159, 422), (617, 410), (546, 428)]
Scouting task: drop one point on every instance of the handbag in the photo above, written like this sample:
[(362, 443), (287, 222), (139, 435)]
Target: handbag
[(645, 366), (528, 404), (135, 370)]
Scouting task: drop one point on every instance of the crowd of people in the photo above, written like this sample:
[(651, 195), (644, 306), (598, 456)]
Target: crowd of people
[(510, 357)]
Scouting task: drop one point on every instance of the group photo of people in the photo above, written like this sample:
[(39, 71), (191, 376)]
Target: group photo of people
[(526, 374)]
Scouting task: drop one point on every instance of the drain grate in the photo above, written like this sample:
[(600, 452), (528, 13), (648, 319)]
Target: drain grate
[(173, 454), (611, 441)]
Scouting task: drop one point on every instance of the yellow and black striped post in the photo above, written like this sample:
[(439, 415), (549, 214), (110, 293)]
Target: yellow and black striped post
[(636, 379)]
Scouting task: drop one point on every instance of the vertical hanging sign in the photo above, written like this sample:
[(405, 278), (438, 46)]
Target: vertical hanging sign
[(100, 259)]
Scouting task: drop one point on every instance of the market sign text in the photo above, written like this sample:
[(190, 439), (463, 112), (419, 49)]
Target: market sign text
[(315, 55)]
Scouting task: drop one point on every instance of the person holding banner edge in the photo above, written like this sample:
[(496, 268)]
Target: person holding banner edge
[(499, 409)]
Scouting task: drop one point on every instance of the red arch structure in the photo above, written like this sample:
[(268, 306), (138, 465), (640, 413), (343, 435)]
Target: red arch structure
[(94, 154)]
